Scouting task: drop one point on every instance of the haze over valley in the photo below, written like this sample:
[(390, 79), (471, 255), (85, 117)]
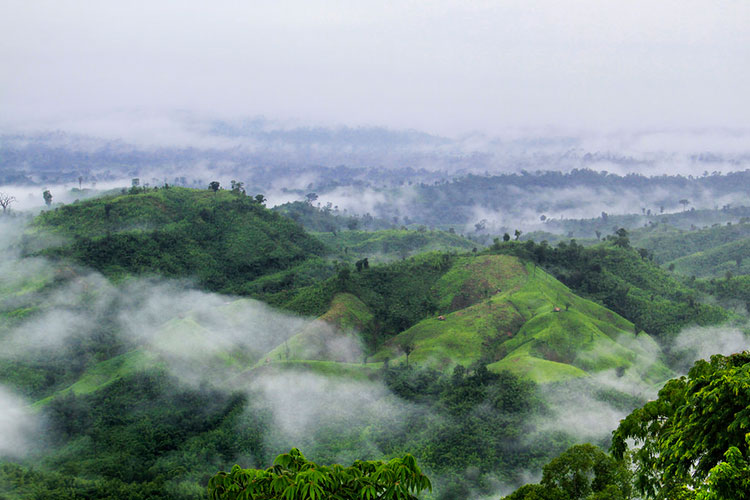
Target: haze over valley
[(312, 250)]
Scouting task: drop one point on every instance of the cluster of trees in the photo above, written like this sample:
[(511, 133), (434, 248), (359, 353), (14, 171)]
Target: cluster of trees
[(328, 218), (293, 477), (691, 443)]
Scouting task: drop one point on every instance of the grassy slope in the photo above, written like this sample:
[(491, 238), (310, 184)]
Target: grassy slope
[(519, 330), (333, 337)]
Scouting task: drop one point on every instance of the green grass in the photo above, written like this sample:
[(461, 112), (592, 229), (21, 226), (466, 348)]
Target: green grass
[(332, 337), (540, 370), (104, 373), (472, 279), (520, 330)]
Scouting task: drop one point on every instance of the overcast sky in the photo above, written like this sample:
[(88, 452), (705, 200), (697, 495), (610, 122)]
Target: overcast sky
[(446, 67)]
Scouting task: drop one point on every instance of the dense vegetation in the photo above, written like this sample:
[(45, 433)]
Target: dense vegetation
[(623, 279), (691, 443), (224, 239), (293, 477), (695, 435), (456, 340)]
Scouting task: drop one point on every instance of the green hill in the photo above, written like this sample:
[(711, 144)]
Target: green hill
[(222, 239), (733, 258), (623, 279), (538, 329), (667, 243), (488, 309)]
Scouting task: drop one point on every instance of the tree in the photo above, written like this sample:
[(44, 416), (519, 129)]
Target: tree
[(293, 477), (583, 472), (260, 199), (518, 234), (214, 186), (621, 238), (408, 348), (6, 201), (47, 197), (684, 202), (694, 432), (506, 237), (311, 197)]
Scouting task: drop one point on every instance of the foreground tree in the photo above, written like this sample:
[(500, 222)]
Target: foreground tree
[(47, 197), (293, 477), (693, 440), (583, 472)]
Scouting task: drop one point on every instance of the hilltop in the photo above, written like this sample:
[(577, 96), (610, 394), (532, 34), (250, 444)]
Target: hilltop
[(223, 239)]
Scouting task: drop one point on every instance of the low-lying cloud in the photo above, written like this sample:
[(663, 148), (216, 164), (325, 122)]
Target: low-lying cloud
[(18, 425)]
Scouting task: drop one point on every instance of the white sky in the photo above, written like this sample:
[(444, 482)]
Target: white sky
[(444, 66)]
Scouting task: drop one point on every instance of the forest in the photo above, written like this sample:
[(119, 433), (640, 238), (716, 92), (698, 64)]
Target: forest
[(170, 342)]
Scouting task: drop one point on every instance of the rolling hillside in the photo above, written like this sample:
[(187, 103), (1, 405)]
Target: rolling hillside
[(494, 310)]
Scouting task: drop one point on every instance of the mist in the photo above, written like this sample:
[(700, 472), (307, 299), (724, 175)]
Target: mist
[(17, 425), (697, 343), (214, 342)]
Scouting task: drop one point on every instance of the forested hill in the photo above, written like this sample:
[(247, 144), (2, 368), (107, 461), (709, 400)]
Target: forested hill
[(464, 359), (222, 238)]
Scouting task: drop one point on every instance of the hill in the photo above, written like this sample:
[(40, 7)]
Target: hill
[(623, 279), (667, 243), (729, 258), (490, 310), (222, 239)]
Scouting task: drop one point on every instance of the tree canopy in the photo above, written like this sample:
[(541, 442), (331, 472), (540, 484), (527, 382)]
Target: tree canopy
[(694, 437), (583, 472), (293, 477)]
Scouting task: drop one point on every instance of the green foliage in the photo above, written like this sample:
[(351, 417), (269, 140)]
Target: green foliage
[(667, 243), (730, 479), (696, 423), (398, 294), (480, 421), (624, 281), (716, 261), (391, 244), (224, 239), (328, 219), (583, 472), (293, 477)]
